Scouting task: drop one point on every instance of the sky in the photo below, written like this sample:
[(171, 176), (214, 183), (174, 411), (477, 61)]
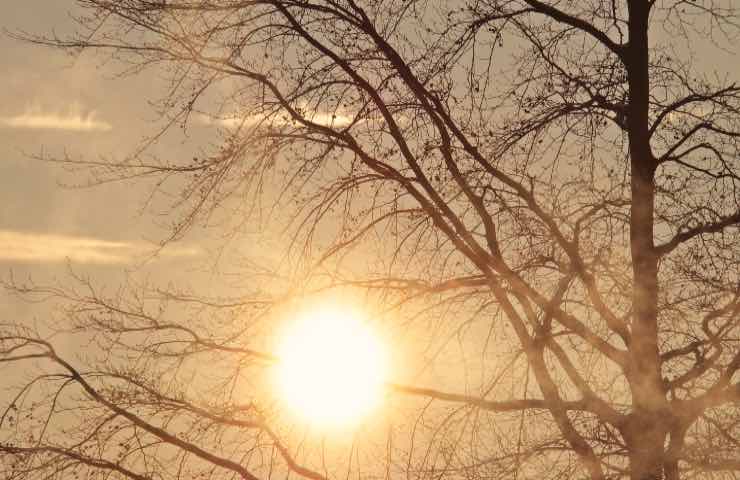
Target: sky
[(52, 105), (55, 105)]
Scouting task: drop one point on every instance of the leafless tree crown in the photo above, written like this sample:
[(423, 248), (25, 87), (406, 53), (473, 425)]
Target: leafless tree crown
[(550, 186)]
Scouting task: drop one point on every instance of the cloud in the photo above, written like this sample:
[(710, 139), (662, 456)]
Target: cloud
[(73, 119), (325, 119), (40, 248), (691, 112)]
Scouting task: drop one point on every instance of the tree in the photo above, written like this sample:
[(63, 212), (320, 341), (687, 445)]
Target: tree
[(560, 177)]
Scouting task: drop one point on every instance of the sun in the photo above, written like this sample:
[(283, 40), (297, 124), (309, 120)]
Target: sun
[(331, 367)]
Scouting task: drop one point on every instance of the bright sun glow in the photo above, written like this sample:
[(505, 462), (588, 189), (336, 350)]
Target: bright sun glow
[(332, 367)]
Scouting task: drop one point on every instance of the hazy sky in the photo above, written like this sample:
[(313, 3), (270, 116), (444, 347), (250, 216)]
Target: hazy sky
[(52, 104), (55, 104)]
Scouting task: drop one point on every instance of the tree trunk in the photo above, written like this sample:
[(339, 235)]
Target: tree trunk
[(645, 433)]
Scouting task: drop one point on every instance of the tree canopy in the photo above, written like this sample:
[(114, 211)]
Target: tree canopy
[(542, 193)]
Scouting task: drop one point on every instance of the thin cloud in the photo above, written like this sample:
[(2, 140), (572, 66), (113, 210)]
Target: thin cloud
[(325, 119), (73, 119), (48, 248)]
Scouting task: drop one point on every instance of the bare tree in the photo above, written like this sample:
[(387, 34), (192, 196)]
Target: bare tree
[(550, 184)]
